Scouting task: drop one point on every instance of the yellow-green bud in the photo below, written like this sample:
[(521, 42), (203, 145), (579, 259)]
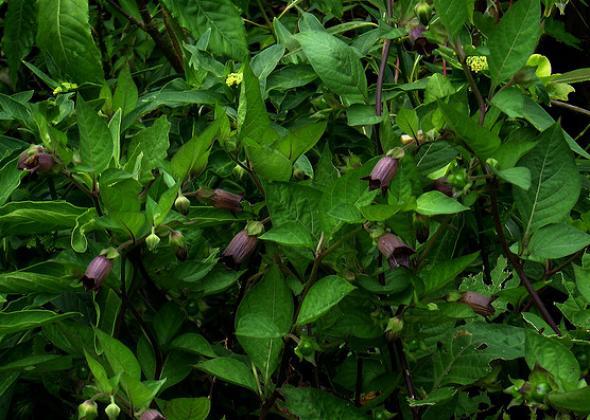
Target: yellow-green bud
[(406, 139), (152, 241), (88, 410), (112, 411), (182, 204), (424, 12), (234, 79)]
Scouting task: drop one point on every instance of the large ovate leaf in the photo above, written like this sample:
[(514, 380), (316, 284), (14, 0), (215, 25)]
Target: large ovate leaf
[(557, 240), (269, 300), (231, 370), (434, 202), (336, 64), (514, 39), (454, 13), (19, 32), (312, 403), (96, 142), (555, 182), (322, 296), (221, 17), (64, 34), (27, 217)]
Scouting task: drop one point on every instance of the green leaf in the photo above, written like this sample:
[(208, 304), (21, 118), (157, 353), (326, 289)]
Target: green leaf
[(555, 182), (289, 234), (432, 203), (63, 32), (514, 39), (271, 300), (253, 120), (119, 356), (322, 297), (301, 139), (126, 95), (577, 400), (153, 143), (100, 374), (96, 142), (24, 282), (378, 212), (168, 322), (554, 357), (193, 155), (10, 177), (186, 408), (337, 64), (557, 240), (193, 343), (35, 217), (358, 114), (440, 273), (480, 139), (454, 13), (517, 105), (257, 326), (11, 322), (228, 36), (519, 176), (269, 163), (230, 370), (407, 120), (20, 25), (313, 403)]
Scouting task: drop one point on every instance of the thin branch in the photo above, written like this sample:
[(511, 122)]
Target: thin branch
[(398, 357), (358, 387), (515, 260), (472, 84), (571, 107), (380, 77)]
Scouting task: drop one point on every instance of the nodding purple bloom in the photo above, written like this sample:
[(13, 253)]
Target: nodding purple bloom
[(226, 200), (96, 272), (418, 42), (479, 303), (397, 252), (442, 185), (240, 247), (36, 161), (382, 173), (152, 415)]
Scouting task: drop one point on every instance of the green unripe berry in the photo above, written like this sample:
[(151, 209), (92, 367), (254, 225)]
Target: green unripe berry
[(112, 411), (88, 410)]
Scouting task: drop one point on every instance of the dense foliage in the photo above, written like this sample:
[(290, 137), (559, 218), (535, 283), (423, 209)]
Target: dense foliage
[(314, 209)]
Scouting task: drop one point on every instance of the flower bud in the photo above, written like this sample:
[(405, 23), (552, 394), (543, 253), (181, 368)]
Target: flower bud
[(96, 272), (182, 204), (178, 242), (424, 12), (479, 303), (226, 200), (240, 247), (406, 139), (382, 173), (112, 411), (397, 253), (36, 159), (394, 328), (152, 241), (152, 415), (442, 185), (88, 410)]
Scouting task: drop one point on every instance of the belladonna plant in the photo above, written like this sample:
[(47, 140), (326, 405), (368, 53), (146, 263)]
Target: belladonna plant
[(395, 250), (96, 272), (239, 249), (382, 174), (36, 159)]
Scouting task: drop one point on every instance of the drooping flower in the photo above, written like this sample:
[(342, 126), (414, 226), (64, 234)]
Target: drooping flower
[(152, 415), (96, 272), (226, 200), (395, 250), (418, 42), (88, 410), (442, 185), (239, 249), (479, 303), (178, 243), (36, 159), (382, 173)]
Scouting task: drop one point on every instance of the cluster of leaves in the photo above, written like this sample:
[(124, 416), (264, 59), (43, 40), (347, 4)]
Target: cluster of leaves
[(315, 209)]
